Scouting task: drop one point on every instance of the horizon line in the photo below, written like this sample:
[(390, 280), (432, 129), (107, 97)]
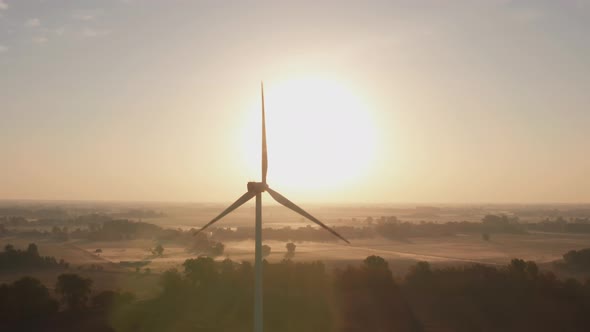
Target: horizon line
[(416, 203)]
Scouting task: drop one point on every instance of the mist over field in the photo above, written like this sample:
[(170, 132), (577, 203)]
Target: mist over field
[(435, 233), (120, 261), (321, 166)]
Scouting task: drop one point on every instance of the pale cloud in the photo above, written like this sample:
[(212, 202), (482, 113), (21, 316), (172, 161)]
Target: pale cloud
[(3, 49), (33, 22), (86, 15), (83, 17), (3, 5), (90, 33), (527, 15), (40, 40)]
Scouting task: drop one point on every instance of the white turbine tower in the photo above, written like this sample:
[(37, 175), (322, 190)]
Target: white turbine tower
[(256, 189)]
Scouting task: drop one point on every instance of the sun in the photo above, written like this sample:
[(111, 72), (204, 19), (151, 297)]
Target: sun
[(320, 135)]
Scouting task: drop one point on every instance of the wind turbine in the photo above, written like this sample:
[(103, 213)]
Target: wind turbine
[(255, 189)]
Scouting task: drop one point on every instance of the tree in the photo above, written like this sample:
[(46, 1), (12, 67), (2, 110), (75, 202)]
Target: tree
[(172, 282), (517, 266), (227, 267), (98, 251), (108, 299), (420, 270), (370, 300), (532, 269), (158, 250), (200, 271), (74, 290), (420, 276), (26, 301), (33, 250), (217, 249), (290, 250), (578, 259), (265, 250), (376, 262)]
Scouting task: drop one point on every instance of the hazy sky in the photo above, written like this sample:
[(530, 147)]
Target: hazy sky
[(442, 101)]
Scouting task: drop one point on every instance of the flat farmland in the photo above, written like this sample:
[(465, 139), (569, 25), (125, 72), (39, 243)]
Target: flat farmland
[(542, 248)]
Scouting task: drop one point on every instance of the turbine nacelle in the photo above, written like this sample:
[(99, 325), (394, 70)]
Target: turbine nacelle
[(257, 187)]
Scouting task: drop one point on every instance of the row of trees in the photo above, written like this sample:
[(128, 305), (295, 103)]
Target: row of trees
[(560, 225), (576, 260), (217, 296), (499, 224), (12, 258), (28, 305), (286, 234), (104, 228), (517, 297), (207, 295), (23, 216), (202, 245)]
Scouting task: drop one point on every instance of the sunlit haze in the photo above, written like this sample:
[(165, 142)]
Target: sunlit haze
[(321, 132), (367, 102)]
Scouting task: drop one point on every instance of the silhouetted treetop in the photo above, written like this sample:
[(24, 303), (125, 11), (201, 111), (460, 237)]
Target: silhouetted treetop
[(74, 290)]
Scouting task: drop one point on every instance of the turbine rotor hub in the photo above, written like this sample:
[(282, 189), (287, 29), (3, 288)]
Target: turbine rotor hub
[(257, 187)]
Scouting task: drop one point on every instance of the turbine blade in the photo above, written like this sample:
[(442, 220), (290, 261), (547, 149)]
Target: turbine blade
[(246, 197), (286, 202), (264, 152)]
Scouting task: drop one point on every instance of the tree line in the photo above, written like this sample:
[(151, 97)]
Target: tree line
[(98, 227), (12, 258), (209, 295)]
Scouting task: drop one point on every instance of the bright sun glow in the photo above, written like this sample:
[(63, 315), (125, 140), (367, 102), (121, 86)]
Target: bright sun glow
[(320, 135)]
